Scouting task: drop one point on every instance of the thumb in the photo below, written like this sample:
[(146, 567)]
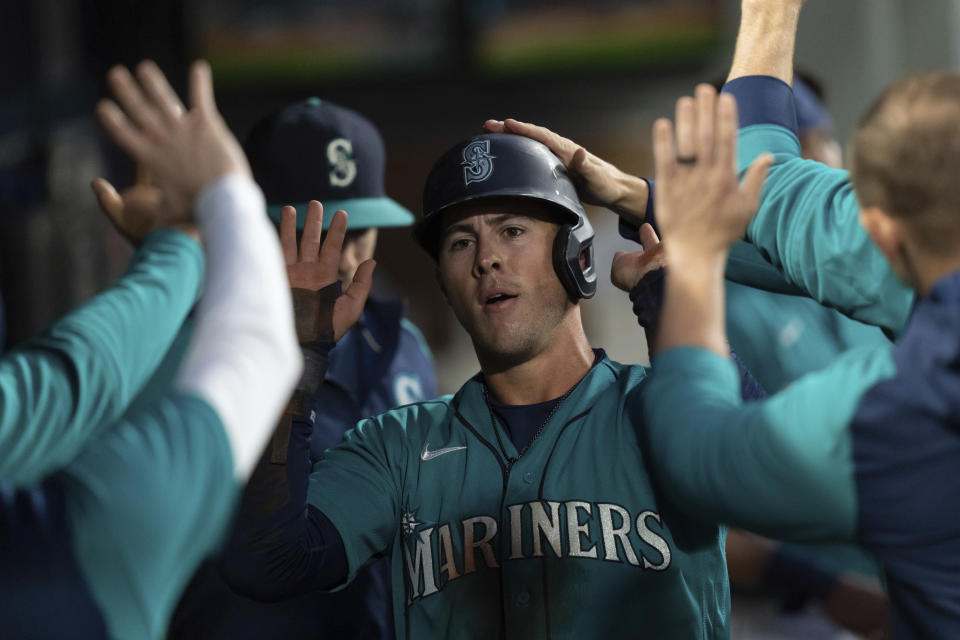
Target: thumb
[(626, 269), (648, 237), (110, 201), (349, 306), (359, 287)]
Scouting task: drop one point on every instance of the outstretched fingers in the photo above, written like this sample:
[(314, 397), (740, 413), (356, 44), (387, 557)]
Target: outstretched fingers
[(686, 130), (288, 234), (753, 180), (727, 128), (157, 87), (664, 151), (333, 243), (706, 114), (201, 88), (121, 130), (312, 233), (139, 108)]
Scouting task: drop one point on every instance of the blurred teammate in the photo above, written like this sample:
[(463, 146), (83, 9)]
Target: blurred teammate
[(315, 149), (865, 449), (106, 509), (782, 590)]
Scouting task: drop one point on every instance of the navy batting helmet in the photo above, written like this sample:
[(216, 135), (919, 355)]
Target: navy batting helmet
[(502, 164)]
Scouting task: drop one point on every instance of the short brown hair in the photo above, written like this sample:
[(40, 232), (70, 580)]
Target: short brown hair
[(905, 157)]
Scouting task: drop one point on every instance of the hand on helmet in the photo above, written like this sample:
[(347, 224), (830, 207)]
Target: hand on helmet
[(598, 182)]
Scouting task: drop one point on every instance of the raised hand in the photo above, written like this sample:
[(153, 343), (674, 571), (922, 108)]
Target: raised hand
[(184, 150), (598, 182), (629, 268), (702, 209), (316, 264)]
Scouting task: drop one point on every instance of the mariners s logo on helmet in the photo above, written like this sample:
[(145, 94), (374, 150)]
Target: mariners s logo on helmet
[(477, 161)]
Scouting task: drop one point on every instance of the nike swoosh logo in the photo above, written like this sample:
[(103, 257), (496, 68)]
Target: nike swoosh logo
[(430, 455)]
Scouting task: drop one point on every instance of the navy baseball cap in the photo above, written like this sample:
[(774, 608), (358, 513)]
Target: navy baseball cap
[(317, 150)]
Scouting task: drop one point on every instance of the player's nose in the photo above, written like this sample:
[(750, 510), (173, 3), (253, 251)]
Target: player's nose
[(487, 258)]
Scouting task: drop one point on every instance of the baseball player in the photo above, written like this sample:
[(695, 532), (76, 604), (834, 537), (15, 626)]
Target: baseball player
[(519, 506), (315, 149), (864, 450), (107, 503)]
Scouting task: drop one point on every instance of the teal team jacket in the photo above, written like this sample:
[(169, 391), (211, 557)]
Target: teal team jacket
[(141, 476), (570, 540), (864, 450), (782, 467)]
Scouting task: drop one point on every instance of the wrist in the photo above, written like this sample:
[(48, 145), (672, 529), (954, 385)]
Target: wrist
[(313, 313), (691, 258), (634, 194)]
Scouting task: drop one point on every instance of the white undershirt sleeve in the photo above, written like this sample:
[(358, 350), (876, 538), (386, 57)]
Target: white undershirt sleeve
[(243, 357)]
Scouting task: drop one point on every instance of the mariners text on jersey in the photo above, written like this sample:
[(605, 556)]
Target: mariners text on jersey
[(438, 554)]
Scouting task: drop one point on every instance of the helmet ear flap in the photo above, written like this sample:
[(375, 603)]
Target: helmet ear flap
[(570, 243)]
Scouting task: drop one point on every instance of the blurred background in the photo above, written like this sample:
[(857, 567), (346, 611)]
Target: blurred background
[(427, 73)]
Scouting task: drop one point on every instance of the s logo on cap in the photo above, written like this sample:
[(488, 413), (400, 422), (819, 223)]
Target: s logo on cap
[(340, 156), (477, 161)]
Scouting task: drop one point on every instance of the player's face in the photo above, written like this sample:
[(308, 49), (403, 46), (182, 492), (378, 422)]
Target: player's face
[(496, 270)]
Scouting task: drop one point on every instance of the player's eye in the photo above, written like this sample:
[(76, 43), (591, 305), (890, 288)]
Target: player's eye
[(458, 244), (513, 232)]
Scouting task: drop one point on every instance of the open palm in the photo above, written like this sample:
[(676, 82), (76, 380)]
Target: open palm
[(315, 265)]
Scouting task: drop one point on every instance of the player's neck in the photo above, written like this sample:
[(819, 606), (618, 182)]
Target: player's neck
[(932, 269), (547, 375)]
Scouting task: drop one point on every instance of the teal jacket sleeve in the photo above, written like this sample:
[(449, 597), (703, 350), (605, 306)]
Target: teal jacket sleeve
[(808, 221), (356, 485), (66, 386), (781, 467), (146, 503)]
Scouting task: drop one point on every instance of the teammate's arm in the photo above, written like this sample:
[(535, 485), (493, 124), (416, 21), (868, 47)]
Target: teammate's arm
[(807, 224), (64, 387), (281, 546), (782, 466), (148, 500)]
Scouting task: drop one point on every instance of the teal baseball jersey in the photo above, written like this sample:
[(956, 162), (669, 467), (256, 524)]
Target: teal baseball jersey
[(569, 540), (76, 379)]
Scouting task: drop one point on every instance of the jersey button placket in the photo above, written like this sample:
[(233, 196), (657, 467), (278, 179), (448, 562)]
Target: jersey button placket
[(529, 477)]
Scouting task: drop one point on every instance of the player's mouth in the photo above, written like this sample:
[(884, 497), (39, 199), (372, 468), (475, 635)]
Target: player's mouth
[(497, 300)]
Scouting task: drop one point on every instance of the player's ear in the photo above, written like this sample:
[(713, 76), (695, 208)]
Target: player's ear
[(887, 233)]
